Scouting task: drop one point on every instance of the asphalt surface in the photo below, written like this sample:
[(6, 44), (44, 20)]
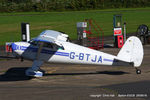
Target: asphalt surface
[(75, 82)]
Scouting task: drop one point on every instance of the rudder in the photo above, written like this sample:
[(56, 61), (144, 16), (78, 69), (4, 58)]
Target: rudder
[(132, 51)]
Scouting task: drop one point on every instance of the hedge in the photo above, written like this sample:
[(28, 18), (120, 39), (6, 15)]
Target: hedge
[(65, 5)]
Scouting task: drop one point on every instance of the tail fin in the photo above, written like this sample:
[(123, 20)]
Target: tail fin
[(132, 51)]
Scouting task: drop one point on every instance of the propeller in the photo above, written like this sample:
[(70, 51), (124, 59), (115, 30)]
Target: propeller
[(10, 50)]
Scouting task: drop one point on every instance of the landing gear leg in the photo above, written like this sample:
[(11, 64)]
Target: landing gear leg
[(35, 71), (138, 71)]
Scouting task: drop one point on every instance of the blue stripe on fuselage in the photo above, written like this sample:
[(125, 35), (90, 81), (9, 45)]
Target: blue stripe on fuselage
[(33, 49), (109, 60), (23, 48), (17, 47)]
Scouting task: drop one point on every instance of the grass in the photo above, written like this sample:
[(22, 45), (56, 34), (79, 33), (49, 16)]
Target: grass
[(10, 29)]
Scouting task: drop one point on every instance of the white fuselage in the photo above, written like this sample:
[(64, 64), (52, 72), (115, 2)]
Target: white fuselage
[(71, 53)]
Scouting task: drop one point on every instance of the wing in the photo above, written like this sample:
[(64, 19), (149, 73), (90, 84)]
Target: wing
[(51, 36)]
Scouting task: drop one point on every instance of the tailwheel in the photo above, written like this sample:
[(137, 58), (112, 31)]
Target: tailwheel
[(138, 71)]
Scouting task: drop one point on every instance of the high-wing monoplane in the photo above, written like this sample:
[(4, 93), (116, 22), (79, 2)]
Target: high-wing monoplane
[(52, 46)]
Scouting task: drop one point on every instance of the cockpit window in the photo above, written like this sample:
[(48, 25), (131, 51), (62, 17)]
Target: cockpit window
[(48, 45), (34, 43), (61, 48)]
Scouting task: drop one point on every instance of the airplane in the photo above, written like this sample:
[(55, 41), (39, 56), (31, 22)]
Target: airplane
[(53, 46)]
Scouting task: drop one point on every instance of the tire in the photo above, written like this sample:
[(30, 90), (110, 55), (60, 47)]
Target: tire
[(138, 71)]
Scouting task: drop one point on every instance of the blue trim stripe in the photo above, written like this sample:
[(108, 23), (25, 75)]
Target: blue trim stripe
[(47, 51), (23, 48), (40, 40), (55, 53), (62, 54), (109, 60)]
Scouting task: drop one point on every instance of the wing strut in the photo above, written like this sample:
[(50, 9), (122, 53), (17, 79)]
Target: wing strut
[(39, 50)]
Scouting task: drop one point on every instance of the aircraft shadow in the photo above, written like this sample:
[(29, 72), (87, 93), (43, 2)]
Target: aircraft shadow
[(18, 74), (15, 74), (89, 73)]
